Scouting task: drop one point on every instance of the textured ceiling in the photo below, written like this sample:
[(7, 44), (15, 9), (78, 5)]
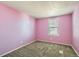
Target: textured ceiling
[(44, 8)]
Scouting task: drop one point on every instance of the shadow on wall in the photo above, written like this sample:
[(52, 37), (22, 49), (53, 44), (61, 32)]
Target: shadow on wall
[(17, 29)]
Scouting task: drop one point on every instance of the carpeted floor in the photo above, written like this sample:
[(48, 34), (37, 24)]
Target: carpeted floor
[(43, 49)]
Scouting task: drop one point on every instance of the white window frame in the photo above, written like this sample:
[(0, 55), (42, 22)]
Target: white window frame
[(53, 25)]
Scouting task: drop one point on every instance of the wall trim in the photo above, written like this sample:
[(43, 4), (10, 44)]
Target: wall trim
[(39, 41), (66, 45), (75, 50), (17, 48), (56, 43)]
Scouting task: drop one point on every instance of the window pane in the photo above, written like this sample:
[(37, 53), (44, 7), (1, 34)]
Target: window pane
[(53, 27)]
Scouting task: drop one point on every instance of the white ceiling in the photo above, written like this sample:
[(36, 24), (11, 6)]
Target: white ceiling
[(43, 9)]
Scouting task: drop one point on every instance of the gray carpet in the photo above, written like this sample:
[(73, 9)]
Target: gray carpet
[(43, 49)]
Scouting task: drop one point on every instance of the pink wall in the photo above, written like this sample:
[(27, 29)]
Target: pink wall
[(16, 29), (65, 30), (75, 40)]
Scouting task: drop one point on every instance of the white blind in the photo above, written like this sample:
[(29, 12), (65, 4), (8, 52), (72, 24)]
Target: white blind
[(53, 25)]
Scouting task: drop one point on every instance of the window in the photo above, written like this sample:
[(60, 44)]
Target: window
[(53, 27)]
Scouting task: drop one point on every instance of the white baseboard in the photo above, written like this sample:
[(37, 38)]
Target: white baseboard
[(34, 41), (56, 43), (75, 50), (65, 44), (17, 48)]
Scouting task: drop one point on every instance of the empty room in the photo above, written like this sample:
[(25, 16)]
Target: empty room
[(39, 28)]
